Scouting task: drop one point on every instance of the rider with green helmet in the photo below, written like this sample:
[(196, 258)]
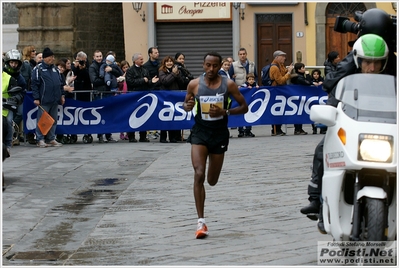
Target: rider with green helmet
[(370, 53)]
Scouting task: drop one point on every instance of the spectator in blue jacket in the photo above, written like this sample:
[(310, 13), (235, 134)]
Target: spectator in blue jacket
[(47, 91)]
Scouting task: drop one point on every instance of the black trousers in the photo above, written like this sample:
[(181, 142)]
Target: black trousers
[(314, 187)]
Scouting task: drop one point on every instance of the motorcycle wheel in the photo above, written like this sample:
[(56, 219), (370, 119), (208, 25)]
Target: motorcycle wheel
[(373, 224)]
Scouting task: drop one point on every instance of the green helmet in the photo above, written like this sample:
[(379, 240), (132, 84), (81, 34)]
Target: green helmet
[(371, 47)]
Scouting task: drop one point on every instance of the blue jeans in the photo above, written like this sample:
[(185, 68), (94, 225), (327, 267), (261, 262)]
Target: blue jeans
[(52, 109)]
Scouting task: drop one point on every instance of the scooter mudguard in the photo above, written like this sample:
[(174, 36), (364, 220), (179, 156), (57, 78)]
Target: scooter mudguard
[(372, 192)]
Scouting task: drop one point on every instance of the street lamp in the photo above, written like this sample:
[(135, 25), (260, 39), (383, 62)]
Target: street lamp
[(240, 5), (137, 7), (236, 5)]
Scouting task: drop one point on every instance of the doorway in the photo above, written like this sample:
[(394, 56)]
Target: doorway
[(274, 32)]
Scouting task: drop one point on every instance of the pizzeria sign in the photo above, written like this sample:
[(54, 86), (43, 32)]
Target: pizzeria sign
[(192, 11)]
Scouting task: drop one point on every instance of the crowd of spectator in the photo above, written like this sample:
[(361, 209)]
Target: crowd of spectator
[(103, 76)]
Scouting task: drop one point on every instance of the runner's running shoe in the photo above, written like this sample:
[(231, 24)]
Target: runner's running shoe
[(202, 230)]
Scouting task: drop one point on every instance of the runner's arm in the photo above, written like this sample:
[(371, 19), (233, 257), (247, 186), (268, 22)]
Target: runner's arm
[(242, 107)]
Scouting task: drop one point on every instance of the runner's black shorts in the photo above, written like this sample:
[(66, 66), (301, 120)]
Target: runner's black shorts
[(216, 140)]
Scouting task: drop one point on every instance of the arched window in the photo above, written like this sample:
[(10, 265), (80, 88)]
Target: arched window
[(344, 9)]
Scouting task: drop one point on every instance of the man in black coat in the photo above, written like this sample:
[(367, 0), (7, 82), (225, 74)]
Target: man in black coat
[(138, 79), (152, 65)]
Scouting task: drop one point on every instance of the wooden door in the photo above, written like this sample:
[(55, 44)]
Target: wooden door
[(274, 32), (336, 41)]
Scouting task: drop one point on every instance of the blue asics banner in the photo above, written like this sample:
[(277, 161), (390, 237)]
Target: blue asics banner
[(162, 110)]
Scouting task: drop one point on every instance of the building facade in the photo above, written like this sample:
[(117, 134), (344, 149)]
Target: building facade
[(303, 30), (68, 28)]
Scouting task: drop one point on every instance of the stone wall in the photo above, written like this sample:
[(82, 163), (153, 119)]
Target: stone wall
[(71, 27), (10, 13)]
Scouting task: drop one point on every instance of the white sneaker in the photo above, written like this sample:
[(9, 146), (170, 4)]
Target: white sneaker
[(54, 143), (41, 144)]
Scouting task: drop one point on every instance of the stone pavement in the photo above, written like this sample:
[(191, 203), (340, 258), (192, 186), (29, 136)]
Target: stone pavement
[(132, 204)]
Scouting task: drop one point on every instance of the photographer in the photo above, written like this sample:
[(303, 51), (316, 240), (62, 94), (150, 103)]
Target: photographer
[(184, 73), (373, 21), (82, 81)]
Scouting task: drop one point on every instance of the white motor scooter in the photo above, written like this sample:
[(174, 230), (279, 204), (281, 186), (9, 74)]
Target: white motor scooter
[(360, 159)]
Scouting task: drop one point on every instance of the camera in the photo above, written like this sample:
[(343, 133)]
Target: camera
[(82, 62), (344, 25), (374, 21)]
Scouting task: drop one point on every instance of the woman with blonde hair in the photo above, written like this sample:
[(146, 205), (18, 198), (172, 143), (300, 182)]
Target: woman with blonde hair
[(28, 63)]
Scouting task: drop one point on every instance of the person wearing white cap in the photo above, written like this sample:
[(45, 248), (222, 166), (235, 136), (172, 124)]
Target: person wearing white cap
[(280, 75)]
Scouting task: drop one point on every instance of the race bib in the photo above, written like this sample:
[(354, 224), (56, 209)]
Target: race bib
[(206, 103)]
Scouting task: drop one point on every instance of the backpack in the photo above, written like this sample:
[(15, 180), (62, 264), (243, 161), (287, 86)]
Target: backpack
[(265, 73)]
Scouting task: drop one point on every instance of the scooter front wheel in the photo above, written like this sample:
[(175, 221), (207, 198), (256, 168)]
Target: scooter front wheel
[(373, 223)]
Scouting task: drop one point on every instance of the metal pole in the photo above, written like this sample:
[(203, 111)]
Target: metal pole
[(151, 25), (236, 32)]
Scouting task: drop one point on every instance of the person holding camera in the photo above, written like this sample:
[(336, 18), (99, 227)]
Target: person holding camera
[(170, 79), (82, 81), (379, 24), (280, 75), (187, 77), (184, 73)]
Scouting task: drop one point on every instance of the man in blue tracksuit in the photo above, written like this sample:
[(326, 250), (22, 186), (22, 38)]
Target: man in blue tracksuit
[(48, 91)]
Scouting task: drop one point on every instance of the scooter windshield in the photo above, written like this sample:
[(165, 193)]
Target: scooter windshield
[(368, 97)]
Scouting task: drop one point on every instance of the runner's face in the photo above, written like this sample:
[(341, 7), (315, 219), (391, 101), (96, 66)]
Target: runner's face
[(211, 66)]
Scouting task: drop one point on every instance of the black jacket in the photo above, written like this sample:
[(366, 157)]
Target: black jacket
[(96, 80), (153, 69), (170, 80), (82, 82), (301, 79), (185, 74), (135, 79), (329, 67)]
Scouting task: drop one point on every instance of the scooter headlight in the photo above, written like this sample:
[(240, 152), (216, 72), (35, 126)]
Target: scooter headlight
[(375, 148)]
